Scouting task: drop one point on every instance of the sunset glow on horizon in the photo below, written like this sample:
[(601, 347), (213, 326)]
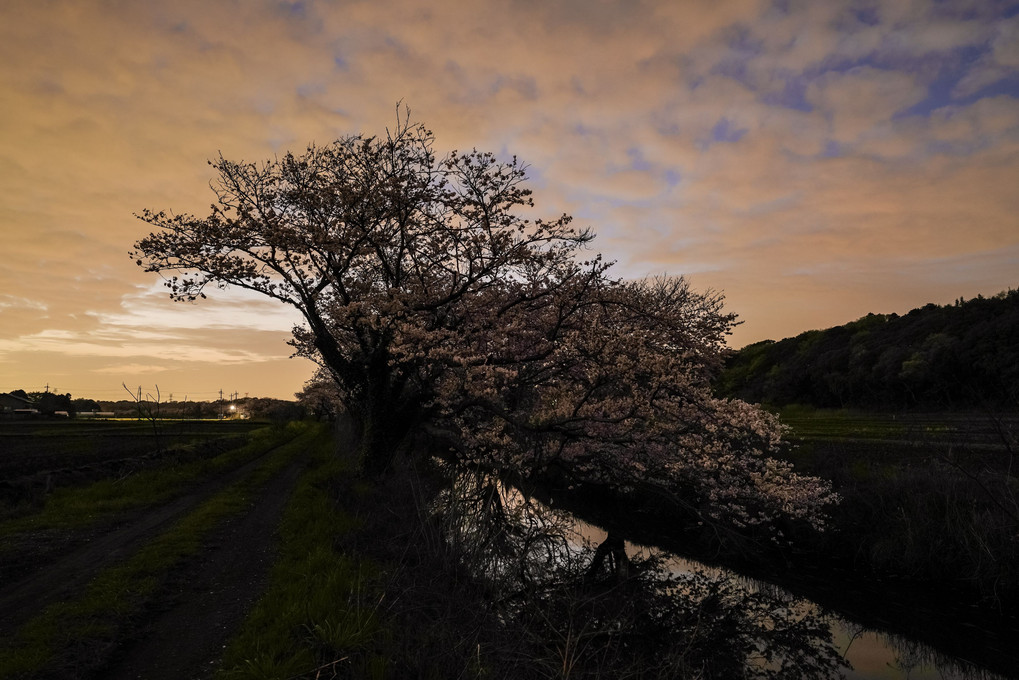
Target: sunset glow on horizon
[(813, 161)]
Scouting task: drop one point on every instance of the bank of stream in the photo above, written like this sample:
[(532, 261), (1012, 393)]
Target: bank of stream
[(887, 630), (871, 653), (801, 623)]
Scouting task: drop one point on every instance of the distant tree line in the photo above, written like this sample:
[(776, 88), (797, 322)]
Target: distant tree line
[(48, 403), (962, 355)]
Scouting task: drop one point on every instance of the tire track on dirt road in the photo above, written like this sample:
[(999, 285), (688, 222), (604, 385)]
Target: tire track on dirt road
[(66, 576), (213, 594)]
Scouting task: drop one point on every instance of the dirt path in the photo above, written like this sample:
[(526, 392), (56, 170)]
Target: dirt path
[(61, 578), (210, 597)]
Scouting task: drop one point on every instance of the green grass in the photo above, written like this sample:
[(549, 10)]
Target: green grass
[(974, 429), (74, 633), (809, 423), (931, 498), (321, 608), (365, 587)]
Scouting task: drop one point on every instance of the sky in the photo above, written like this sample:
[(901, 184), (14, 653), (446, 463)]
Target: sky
[(814, 161)]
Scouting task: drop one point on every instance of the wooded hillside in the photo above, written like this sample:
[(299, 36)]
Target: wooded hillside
[(963, 355)]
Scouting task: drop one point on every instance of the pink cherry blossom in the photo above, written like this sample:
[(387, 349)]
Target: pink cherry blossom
[(435, 305)]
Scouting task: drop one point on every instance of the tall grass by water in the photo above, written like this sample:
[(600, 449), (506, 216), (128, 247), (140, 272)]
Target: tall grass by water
[(933, 498)]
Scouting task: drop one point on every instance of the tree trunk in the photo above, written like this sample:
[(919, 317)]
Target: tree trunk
[(382, 424), (612, 551), (382, 408), (379, 440)]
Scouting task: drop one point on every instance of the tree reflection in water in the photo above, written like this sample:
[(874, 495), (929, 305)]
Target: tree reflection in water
[(585, 610)]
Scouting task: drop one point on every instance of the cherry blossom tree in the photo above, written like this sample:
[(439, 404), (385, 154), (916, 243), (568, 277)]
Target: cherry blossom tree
[(437, 304), (319, 396)]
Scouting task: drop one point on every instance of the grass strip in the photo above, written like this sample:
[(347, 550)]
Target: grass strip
[(809, 423), (73, 508), (71, 634), (321, 607)]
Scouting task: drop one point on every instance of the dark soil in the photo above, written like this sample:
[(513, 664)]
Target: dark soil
[(41, 570), (183, 631), (28, 448), (184, 636)]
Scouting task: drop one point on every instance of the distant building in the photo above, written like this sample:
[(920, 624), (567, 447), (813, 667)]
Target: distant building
[(10, 403)]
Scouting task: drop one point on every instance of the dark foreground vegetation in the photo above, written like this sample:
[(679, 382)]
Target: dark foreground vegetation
[(928, 522), (65, 605), (924, 541), (429, 572), (928, 498), (440, 570)]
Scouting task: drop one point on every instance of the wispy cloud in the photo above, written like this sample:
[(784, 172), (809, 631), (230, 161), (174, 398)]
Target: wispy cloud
[(131, 369), (815, 160)]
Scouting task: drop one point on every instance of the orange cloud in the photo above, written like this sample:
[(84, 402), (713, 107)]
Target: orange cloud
[(796, 156)]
